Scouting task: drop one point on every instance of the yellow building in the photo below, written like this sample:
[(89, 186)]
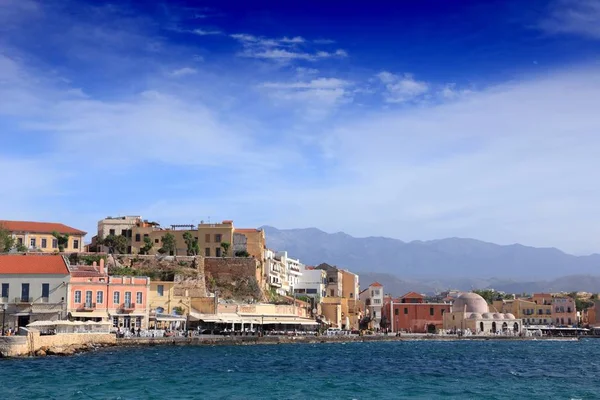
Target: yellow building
[(212, 236), (535, 310), (350, 285), (37, 236), (168, 304)]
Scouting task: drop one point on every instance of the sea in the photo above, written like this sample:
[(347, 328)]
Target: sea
[(429, 369)]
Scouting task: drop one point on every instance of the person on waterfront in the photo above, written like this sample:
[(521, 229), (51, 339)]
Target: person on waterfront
[(138, 331)]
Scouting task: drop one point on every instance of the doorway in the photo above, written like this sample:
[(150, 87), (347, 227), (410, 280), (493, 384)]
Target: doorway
[(23, 320), (127, 322)]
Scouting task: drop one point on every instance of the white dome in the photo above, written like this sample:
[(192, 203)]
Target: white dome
[(498, 316), (471, 303), (487, 315), (475, 316), (509, 316)]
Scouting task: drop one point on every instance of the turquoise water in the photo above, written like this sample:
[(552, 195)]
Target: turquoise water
[(424, 370)]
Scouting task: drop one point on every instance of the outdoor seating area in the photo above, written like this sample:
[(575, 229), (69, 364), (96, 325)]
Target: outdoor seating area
[(65, 326)]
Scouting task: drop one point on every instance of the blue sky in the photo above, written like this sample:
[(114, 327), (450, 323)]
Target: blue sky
[(413, 120)]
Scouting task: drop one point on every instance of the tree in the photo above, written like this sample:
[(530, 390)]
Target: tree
[(168, 244), (115, 243), (147, 245), (225, 247), (7, 242), (63, 240), (193, 248), (242, 253), (490, 295)]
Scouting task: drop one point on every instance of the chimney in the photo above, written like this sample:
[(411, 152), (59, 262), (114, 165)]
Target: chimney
[(101, 269)]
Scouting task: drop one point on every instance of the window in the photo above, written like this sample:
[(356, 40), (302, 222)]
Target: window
[(376, 301), (330, 280), (32, 242), (88, 298), (111, 232), (351, 295), (77, 296), (127, 298), (568, 309), (146, 235), (99, 297), (138, 237), (207, 238), (76, 243), (376, 292), (5, 290), (138, 297), (405, 310), (124, 232), (138, 322), (374, 314), (25, 292), (20, 241), (116, 297), (207, 252), (115, 322), (155, 240), (311, 291), (55, 243), (160, 290), (396, 311), (45, 290), (218, 252), (44, 243), (218, 238), (331, 293)]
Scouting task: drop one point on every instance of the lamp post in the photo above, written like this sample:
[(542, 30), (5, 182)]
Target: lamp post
[(4, 307)]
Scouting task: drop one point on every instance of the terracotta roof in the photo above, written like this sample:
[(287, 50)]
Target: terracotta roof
[(33, 264), (85, 271), (39, 227), (377, 284), (412, 295)]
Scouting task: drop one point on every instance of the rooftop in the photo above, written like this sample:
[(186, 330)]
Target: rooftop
[(39, 227), (16, 264), (86, 271)]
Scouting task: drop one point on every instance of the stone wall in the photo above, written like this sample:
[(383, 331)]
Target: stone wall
[(63, 343), (13, 346), (236, 278)]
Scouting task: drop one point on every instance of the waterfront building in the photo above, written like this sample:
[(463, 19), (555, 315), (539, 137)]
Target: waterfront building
[(372, 297), (564, 311), (33, 288), (410, 313), (96, 296), (334, 280), (169, 305), (275, 273), (293, 269), (38, 236), (471, 311), (534, 310), (312, 283)]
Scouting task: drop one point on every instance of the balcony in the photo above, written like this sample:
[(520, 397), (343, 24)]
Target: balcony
[(23, 299), (87, 307), (128, 306)]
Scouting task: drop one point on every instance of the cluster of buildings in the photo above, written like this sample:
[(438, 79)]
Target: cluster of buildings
[(41, 284)]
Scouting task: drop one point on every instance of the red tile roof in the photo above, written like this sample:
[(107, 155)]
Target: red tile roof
[(376, 284), (15, 264), (39, 227), (85, 271)]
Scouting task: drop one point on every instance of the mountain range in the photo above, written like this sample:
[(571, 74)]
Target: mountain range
[(435, 265)]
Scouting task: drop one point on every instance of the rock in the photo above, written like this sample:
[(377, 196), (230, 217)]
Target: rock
[(40, 353)]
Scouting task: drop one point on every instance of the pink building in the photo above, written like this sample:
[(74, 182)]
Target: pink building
[(564, 311), (94, 295)]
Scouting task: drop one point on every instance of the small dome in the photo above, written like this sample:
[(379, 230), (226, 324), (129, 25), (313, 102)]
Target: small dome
[(487, 315), (475, 316), (498, 316), (509, 316), (471, 303)]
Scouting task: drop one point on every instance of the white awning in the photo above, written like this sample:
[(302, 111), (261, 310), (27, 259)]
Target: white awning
[(92, 314), (168, 317)]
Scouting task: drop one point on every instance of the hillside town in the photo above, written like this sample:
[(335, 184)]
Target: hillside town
[(137, 278)]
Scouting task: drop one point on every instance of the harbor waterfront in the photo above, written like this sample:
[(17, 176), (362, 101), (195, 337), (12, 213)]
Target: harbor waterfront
[(490, 369)]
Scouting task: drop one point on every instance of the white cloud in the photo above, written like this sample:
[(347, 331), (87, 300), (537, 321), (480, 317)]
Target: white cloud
[(203, 32), (401, 89), (281, 49), (320, 83), (183, 72), (577, 17)]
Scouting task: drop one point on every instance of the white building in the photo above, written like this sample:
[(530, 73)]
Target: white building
[(293, 269), (275, 273), (312, 283), (373, 299)]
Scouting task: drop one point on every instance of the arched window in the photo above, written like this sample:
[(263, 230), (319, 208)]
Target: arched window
[(504, 327), (494, 327), (516, 327), (481, 327)]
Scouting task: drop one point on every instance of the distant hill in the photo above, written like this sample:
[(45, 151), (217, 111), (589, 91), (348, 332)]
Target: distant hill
[(440, 264)]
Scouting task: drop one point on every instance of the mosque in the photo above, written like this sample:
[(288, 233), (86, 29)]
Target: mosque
[(471, 311)]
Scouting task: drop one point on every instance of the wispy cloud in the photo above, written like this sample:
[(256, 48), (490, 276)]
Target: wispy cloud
[(323, 41), (204, 32), (402, 88), (183, 72), (282, 49), (576, 17)]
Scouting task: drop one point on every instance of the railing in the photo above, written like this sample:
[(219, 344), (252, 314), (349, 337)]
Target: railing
[(88, 306), (128, 306), (23, 299)]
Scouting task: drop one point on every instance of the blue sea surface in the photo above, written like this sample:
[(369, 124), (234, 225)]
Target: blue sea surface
[(417, 370)]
